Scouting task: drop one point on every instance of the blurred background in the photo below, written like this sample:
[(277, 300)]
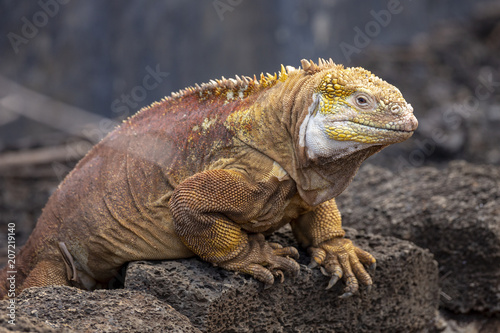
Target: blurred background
[(71, 69)]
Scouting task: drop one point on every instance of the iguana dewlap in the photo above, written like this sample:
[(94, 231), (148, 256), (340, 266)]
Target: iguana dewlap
[(212, 169)]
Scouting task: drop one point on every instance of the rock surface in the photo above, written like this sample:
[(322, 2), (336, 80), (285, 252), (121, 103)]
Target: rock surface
[(454, 212), (404, 297), (27, 324), (67, 309)]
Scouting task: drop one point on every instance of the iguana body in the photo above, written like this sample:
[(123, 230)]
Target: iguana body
[(211, 169)]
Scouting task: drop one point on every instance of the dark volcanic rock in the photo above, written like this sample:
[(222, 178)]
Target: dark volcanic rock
[(99, 311), (454, 212), (404, 297), (25, 323)]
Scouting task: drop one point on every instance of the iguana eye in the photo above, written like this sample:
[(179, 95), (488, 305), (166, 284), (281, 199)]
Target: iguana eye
[(362, 100)]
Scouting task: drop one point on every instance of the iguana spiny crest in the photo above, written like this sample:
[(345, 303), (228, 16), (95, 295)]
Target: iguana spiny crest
[(353, 104)]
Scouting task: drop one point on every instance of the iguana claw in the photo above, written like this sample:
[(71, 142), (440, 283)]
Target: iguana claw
[(332, 282), (340, 259), (279, 274), (312, 264), (346, 295)]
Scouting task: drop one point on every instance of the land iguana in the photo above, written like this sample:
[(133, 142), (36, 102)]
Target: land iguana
[(211, 170)]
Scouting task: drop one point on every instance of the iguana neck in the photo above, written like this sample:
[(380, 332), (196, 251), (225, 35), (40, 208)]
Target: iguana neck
[(267, 125)]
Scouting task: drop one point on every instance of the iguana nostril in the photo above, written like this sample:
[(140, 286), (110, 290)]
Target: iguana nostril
[(396, 109)]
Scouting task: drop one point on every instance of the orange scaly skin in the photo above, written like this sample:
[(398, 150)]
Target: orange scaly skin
[(213, 168)]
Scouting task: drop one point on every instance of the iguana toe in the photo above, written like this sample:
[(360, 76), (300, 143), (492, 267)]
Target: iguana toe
[(264, 261)]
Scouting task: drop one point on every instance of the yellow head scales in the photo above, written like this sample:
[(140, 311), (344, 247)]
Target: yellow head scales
[(364, 106)]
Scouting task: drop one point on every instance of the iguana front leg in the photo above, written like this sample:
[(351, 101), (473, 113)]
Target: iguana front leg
[(320, 231), (209, 210)]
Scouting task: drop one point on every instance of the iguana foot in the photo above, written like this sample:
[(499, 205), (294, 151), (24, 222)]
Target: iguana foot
[(264, 260), (340, 259)]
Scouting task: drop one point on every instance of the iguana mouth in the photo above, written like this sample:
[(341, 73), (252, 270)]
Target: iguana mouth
[(384, 129), (350, 130), (397, 128)]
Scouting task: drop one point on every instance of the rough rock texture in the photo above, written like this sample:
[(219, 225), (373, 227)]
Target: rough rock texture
[(27, 324), (69, 309), (454, 212), (404, 297), (471, 323)]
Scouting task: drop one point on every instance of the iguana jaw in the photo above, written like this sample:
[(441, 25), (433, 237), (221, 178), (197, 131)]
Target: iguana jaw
[(351, 130)]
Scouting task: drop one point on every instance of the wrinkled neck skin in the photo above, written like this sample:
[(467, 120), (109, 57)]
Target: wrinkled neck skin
[(279, 124), (325, 167)]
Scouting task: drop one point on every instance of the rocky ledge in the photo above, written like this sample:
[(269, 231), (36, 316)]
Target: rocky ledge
[(206, 298)]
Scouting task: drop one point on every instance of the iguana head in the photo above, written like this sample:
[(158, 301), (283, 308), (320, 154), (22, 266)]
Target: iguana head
[(346, 115), (352, 109)]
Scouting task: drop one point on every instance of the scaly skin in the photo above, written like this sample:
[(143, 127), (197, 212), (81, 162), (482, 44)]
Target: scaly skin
[(211, 170)]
